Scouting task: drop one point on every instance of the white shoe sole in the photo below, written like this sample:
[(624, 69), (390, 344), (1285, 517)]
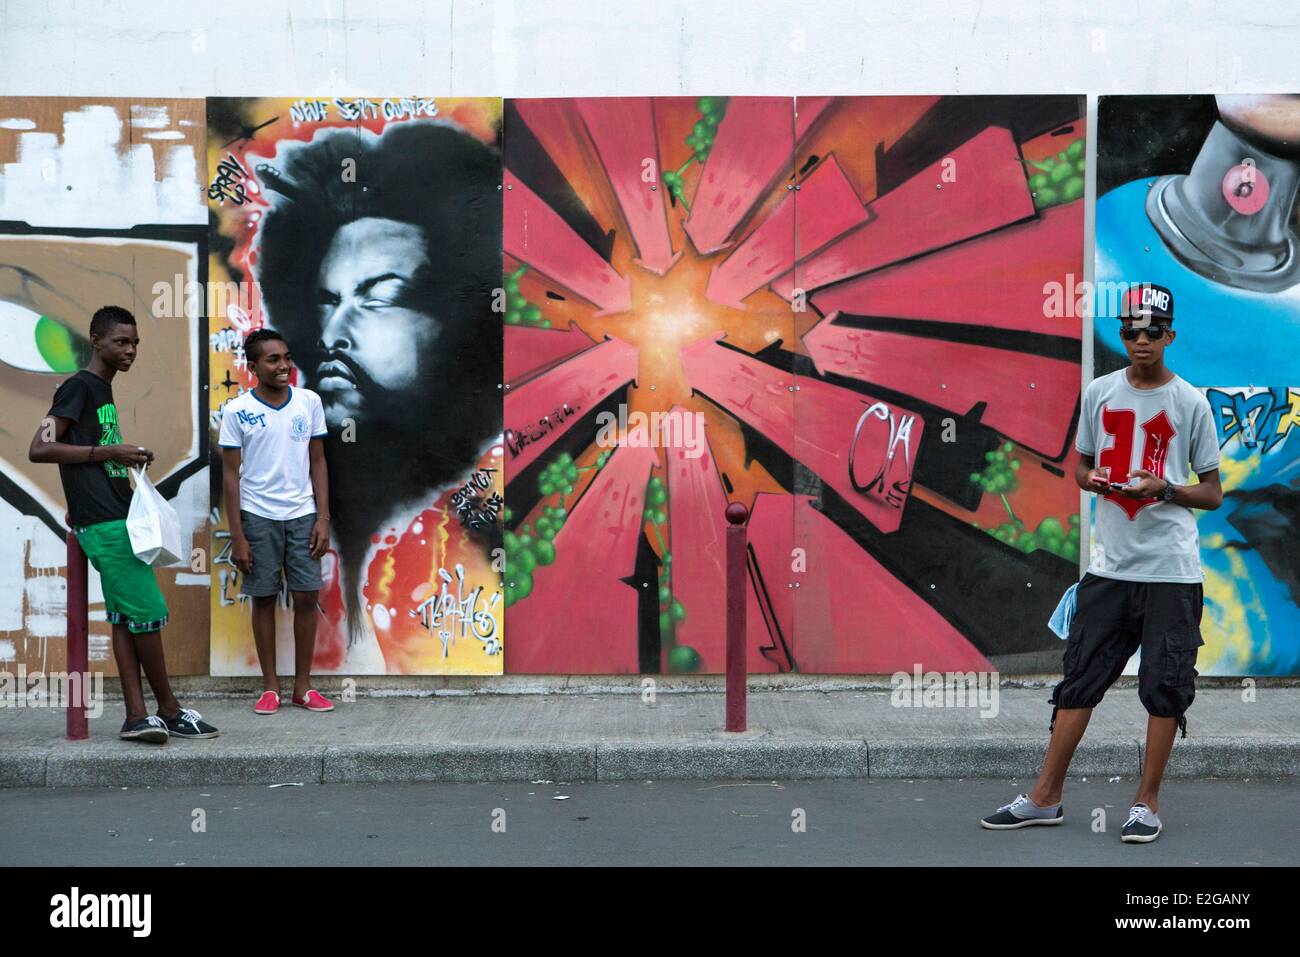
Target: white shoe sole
[(1028, 822), (1141, 838)]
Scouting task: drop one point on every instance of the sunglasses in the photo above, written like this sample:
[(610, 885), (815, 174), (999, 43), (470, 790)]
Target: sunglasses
[(1155, 332)]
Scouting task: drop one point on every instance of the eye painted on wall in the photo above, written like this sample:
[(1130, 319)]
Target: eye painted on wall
[(36, 343)]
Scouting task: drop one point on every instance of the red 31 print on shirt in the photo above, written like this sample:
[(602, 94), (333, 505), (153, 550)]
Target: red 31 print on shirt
[(1158, 432)]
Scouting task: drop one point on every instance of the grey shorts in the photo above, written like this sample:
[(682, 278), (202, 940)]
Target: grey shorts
[(280, 545)]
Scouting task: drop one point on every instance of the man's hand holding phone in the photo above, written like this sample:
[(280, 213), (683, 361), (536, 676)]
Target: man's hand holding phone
[(1141, 484), (1099, 481)]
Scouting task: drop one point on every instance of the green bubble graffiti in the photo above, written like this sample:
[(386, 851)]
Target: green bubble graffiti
[(999, 477)]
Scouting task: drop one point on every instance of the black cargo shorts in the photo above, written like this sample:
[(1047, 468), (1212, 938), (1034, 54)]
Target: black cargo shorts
[(1115, 618)]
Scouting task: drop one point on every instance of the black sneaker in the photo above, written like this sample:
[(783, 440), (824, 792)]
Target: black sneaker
[(1142, 826), (150, 729), (188, 724), (1022, 812)]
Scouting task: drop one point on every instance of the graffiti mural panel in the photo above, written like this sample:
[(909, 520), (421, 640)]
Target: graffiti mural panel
[(100, 203), (850, 296), (1198, 194), (368, 233), (939, 381), (627, 348)]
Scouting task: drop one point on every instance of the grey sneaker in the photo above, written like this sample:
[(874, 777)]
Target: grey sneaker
[(1142, 826), (1022, 812)]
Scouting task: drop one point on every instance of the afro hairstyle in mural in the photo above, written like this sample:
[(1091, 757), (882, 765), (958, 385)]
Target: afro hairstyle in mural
[(377, 262)]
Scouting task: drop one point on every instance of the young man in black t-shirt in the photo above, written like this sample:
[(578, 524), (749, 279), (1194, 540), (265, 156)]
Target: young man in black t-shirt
[(81, 434)]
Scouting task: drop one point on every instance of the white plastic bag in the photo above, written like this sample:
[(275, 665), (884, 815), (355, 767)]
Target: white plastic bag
[(153, 525)]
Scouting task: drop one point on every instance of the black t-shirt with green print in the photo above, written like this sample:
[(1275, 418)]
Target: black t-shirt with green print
[(95, 491)]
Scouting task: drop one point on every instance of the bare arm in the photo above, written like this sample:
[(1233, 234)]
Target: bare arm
[(47, 449), (240, 553), (320, 486), (1089, 478), (1208, 494)]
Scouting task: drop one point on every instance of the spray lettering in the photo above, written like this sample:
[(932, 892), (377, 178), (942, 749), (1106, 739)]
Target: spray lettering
[(229, 182), (460, 615), (1258, 420), (473, 506), (900, 433)]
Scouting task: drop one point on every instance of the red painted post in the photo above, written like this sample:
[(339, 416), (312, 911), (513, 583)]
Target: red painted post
[(78, 641), (737, 567)]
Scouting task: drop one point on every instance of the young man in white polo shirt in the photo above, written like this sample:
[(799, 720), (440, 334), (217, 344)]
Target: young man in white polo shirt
[(277, 500), (1142, 432)]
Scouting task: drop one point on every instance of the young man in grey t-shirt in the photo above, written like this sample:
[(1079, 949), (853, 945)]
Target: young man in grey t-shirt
[(1142, 432)]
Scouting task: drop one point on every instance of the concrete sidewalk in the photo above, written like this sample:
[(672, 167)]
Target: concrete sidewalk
[(611, 737)]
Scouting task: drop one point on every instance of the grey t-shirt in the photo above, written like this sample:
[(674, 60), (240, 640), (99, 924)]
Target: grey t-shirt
[(1164, 431)]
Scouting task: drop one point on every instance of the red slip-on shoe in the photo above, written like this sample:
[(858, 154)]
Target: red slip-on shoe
[(269, 703), (314, 701)]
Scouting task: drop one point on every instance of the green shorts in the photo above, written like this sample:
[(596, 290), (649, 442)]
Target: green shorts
[(131, 593)]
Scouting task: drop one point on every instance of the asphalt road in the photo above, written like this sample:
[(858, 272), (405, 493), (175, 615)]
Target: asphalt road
[(649, 823)]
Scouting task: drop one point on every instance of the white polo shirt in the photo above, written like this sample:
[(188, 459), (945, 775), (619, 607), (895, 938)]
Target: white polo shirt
[(275, 474)]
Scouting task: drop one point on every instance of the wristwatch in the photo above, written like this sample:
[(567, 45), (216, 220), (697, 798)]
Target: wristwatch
[(1167, 493)]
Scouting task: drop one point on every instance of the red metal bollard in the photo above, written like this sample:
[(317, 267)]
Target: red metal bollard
[(78, 640), (737, 567)]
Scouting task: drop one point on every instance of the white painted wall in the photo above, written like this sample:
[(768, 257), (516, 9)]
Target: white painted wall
[(592, 47)]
